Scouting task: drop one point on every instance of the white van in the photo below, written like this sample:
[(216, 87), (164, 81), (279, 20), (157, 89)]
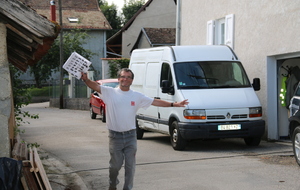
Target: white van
[(222, 101)]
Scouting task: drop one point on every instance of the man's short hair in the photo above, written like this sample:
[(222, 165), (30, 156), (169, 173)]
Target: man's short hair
[(125, 70)]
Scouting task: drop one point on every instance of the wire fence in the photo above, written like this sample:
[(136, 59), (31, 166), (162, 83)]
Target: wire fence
[(77, 90)]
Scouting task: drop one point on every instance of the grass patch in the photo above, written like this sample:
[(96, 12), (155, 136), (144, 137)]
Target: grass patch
[(44, 91), (54, 91)]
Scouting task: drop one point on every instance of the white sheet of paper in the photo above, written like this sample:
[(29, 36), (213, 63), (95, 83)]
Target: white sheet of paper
[(76, 64)]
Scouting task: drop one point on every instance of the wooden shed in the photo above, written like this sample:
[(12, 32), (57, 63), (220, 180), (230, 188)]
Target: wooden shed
[(25, 37)]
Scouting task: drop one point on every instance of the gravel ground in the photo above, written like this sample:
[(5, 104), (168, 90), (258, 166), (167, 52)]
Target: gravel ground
[(279, 159)]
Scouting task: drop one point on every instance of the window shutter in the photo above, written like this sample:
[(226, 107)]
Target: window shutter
[(229, 30), (210, 33)]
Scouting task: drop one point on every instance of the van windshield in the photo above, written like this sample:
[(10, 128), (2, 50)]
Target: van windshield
[(216, 74)]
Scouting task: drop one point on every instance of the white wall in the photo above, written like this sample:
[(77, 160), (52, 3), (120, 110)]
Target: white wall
[(159, 14), (263, 31)]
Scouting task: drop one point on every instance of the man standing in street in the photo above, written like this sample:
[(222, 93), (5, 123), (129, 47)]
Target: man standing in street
[(122, 104)]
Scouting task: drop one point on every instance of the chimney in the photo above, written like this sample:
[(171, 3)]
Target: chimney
[(52, 9)]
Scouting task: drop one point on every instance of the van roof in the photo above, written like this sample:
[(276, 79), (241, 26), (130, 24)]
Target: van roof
[(185, 53), (203, 52)]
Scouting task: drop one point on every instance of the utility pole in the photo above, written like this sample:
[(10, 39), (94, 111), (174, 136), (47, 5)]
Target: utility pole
[(178, 22), (61, 53)]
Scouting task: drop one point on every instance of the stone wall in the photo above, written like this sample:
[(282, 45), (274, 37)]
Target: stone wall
[(5, 97), (71, 103)]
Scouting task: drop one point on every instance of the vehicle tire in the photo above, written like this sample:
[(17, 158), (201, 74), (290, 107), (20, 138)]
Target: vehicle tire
[(296, 144), (92, 113), (103, 117), (252, 141), (177, 142), (139, 131)]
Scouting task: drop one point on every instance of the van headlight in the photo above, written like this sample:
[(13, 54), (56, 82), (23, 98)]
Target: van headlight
[(255, 112), (194, 114)]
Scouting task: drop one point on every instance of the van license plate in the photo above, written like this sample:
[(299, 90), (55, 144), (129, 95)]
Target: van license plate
[(229, 127)]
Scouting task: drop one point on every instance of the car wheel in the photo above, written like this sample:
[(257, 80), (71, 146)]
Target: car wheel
[(139, 131), (177, 142), (92, 113), (103, 116), (296, 144), (252, 141)]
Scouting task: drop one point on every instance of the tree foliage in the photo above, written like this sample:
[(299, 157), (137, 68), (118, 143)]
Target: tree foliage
[(117, 21), (21, 98), (131, 8), (72, 41), (111, 14)]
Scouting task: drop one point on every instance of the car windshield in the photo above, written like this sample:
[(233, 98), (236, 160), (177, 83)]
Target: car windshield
[(111, 84), (216, 74)]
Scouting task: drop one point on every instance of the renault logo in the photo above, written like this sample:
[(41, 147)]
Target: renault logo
[(228, 115)]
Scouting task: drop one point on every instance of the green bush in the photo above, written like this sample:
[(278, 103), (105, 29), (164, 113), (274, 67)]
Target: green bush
[(44, 91), (116, 65)]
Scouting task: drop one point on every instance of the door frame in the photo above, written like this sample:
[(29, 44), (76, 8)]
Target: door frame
[(272, 92)]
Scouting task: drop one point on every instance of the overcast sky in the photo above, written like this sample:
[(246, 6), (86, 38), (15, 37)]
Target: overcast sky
[(119, 3)]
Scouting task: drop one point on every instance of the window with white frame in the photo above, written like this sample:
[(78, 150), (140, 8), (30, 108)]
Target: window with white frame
[(221, 31)]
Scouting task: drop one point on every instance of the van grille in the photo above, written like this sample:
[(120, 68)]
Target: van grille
[(239, 116), (216, 117)]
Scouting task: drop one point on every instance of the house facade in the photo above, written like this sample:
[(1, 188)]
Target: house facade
[(264, 35), (83, 15), (160, 15), (153, 37)]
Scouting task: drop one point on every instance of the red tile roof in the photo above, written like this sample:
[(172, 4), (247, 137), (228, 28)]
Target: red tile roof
[(87, 11)]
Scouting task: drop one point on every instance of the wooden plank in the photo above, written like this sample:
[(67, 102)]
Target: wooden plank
[(20, 151), (27, 18), (35, 177), (34, 168), (24, 183), (29, 178), (24, 151), (41, 170)]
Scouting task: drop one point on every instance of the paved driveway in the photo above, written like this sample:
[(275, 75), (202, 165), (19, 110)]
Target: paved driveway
[(75, 154)]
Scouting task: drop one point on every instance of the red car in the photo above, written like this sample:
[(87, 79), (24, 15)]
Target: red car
[(97, 106)]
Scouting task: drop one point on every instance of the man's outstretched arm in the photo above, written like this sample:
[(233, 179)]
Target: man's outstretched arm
[(91, 84), (162, 103)]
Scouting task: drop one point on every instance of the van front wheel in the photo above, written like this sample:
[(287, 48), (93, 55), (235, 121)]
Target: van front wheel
[(139, 131), (177, 142)]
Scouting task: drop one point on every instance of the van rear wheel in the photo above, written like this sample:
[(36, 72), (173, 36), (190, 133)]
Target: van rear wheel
[(139, 131), (177, 142)]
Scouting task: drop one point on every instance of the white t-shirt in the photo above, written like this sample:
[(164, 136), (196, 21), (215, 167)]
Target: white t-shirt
[(121, 107)]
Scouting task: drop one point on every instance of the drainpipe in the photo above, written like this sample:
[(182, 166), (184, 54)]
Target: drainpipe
[(52, 11), (61, 53), (178, 23)]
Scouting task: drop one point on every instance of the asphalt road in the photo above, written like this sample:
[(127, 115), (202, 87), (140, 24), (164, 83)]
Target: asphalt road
[(74, 149)]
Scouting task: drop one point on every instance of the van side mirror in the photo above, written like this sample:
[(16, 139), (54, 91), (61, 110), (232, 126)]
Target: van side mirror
[(166, 87), (256, 84)]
